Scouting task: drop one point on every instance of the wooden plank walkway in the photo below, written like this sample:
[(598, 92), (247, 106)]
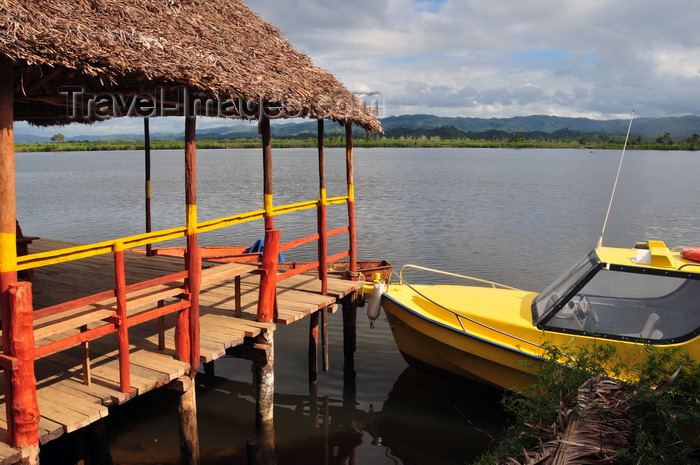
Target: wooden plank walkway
[(66, 404)]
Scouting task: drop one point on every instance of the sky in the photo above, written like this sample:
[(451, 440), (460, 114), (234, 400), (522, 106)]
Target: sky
[(599, 59)]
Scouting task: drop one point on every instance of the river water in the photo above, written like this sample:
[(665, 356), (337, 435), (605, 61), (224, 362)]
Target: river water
[(520, 217)]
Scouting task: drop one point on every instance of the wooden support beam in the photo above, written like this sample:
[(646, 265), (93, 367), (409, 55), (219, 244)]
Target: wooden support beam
[(250, 350), (265, 383), (324, 339), (350, 174), (147, 172), (98, 443), (264, 374), (8, 219), (187, 420), (238, 308), (254, 453), (161, 327), (313, 347), (321, 212), (192, 256), (349, 327), (268, 278), (85, 353), (265, 132), (122, 329), (24, 407)]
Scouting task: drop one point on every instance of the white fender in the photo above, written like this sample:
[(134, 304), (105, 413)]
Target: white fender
[(374, 300)]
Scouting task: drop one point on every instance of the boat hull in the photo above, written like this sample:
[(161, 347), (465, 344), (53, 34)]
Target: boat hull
[(438, 348)]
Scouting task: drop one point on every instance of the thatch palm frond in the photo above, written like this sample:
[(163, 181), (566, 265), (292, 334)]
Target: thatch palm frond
[(591, 433), (215, 49)]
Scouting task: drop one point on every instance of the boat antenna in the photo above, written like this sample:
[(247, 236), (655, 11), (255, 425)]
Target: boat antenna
[(619, 168)]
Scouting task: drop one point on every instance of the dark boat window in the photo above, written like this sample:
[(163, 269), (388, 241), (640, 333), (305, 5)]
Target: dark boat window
[(633, 305), (554, 296)]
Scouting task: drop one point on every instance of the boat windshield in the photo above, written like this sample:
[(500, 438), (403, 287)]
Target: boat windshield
[(618, 302), (558, 293)]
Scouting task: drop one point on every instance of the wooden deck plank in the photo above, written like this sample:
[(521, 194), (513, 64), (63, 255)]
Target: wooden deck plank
[(69, 419), (77, 403), (9, 455)]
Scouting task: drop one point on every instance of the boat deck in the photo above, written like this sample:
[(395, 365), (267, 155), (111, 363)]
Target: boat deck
[(66, 404)]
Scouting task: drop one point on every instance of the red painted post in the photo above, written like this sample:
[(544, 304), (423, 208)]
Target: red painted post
[(349, 168), (147, 172), (193, 284), (267, 169), (321, 217), (122, 329), (193, 260), (8, 238), (25, 408), (268, 278), (182, 334)]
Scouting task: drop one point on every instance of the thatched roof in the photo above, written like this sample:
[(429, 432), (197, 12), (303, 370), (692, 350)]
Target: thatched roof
[(218, 50)]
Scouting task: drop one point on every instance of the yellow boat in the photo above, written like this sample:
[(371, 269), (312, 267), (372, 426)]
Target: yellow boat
[(484, 331)]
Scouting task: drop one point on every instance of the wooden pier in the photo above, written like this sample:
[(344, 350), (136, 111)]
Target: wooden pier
[(97, 324), (77, 386)]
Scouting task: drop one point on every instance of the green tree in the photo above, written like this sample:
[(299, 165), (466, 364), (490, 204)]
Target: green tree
[(692, 141), (58, 138), (665, 139)]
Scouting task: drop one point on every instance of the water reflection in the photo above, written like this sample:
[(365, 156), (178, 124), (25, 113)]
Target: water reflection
[(425, 419)]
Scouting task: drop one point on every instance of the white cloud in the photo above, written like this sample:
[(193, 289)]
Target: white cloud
[(594, 58), (600, 57)]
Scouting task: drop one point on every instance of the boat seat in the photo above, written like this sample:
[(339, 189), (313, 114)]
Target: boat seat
[(566, 317), (650, 330)]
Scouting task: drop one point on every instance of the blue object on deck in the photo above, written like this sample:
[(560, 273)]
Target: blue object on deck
[(258, 247)]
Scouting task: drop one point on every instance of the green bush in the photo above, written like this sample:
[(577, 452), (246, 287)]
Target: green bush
[(664, 403)]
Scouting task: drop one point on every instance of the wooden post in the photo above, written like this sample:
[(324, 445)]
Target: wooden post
[(122, 328), (321, 217), (264, 373), (350, 173), (324, 338), (98, 443), (349, 328), (238, 306), (313, 347), (187, 323), (24, 407), (147, 155), (85, 354), (8, 220), (193, 261), (187, 420), (253, 453), (267, 169), (265, 382), (161, 327), (268, 277), (349, 302)]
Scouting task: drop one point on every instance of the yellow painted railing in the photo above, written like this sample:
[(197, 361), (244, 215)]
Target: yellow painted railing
[(83, 251)]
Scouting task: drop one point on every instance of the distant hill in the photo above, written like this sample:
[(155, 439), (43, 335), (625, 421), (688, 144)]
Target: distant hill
[(648, 128), (679, 127)]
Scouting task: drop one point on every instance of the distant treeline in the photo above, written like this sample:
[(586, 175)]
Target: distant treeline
[(445, 136), (559, 138)]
